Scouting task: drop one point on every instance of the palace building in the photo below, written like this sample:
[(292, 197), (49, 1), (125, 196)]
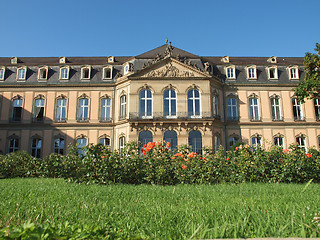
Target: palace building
[(47, 103)]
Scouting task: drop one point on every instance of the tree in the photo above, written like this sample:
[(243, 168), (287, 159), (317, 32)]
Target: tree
[(310, 87)]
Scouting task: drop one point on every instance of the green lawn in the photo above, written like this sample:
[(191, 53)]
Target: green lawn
[(166, 212)]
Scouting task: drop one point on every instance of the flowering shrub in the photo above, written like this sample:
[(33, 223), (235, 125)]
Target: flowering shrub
[(156, 163)]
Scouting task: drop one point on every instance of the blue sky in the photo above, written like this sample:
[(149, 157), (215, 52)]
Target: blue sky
[(129, 28)]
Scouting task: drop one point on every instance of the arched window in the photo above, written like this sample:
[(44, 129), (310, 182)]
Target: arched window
[(145, 103), (61, 109), (36, 147), (105, 109), (275, 108), (38, 113), (256, 140), (278, 140), (172, 138), (122, 143), (123, 106), (17, 103), (13, 143), (170, 103), (105, 141), (254, 108), (195, 141), (81, 143), (301, 141), (233, 140), (145, 137), (58, 145), (83, 109), (193, 103)]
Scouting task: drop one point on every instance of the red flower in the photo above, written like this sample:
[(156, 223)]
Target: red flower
[(143, 151), (228, 159), (145, 145), (168, 144), (237, 148), (158, 143), (183, 166), (309, 155)]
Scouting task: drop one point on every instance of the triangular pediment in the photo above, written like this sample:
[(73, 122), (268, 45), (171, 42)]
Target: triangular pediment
[(170, 68)]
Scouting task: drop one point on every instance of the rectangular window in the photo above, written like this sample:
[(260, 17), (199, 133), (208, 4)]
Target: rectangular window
[(83, 110), (13, 145), (81, 144), (252, 73), (293, 73), (317, 108), (39, 110), (216, 107), (123, 106), (17, 110), (297, 110), (301, 141), (21, 73), (233, 140), (105, 141), (64, 73), (122, 141), (58, 145), (254, 109), (107, 73), (85, 73), (2, 71), (36, 147), (105, 109), (278, 141), (61, 110), (275, 109), (231, 73), (43, 73), (273, 73), (232, 109), (256, 141)]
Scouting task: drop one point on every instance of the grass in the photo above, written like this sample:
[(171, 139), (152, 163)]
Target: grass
[(166, 212)]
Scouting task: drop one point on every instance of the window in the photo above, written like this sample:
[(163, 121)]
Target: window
[(172, 138), (38, 110), (233, 140), (22, 73), (13, 144), (256, 141), (43, 73), (145, 105), (105, 141), (107, 73), (2, 72), (216, 107), (275, 108), (293, 72), (232, 109), (217, 142), (17, 109), (123, 107), (83, 109), (61, 109), (254, 109), (64, 73), (86, 73), (58, 145), (231, 72), (195, 141), (272, 72), (301, 141), (278, 141), (297, 110), (81, 144), (169, 103), (145, 137), (36, 145), (193, 103), (122, 141), (252, 72), (317, 108), (105, 109)]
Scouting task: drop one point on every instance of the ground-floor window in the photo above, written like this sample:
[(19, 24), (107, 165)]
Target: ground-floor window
[(195, 141), (81, 143), (36, 145), (145, 137), (172, 138)]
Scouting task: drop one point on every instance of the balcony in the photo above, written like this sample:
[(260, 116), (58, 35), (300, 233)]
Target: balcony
[(179, 115)]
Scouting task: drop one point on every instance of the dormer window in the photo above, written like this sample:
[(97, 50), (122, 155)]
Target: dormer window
[(86, 72), (272, 72), (21, 73), (126, 69), (2, 72), (107, 73), (64, 73), (293, 72), (43, 73), (231, 72), (252, 72)]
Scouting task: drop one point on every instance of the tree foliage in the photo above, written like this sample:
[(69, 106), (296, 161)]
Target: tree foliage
[(310, 87)]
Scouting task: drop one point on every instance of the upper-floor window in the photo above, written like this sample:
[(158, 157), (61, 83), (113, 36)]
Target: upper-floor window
[(61, 109), (64, 73), (13, 144), (21, 75), (58, 145), (231, 72), (252, 72), (2, 72), (272, 72), (43, 73), (38, 110), (297, 109), (17, 109), (275, 108), (216, 106), (170, 103), (123, 107), (105, 109), (36, 147), (232, 109), (293, 72), (317, 108), (145, 103), (301, 141), (83, 109), (107, 73), (193, 103), (254, 109), (86, 73)]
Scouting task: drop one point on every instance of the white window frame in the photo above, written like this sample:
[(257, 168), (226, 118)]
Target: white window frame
[(297, 108), (21, 73), (123, 107), (40, 75), (254, 107), (193, 98), (234, 114), (39, 103), (106, 106), (102, 140), (302, 142), (58, 149), (21, 102), (251, 72), (275, 69), (233, 139), (81, 109), (170, 99), (256, 140), (2, 73), (81, 142), (122, 141), (83, 69), (59, 108), (293, 73), (105, 69), (16, 144), (146, 100), (276, 140), (317, 108), (230, 72), (36, 148), (62, 75), (274, 107)]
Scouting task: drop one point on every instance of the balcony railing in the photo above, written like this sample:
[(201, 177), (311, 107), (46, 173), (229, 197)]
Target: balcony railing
[(179, 115)]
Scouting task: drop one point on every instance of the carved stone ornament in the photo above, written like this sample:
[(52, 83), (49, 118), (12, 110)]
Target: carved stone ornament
[(169, 71)]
